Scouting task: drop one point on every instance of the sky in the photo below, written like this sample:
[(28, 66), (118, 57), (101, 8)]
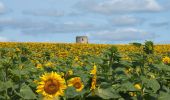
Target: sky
[(103, 21)]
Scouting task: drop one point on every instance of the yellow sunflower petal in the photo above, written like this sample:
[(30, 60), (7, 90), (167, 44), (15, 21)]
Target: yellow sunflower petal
[(51, 85)]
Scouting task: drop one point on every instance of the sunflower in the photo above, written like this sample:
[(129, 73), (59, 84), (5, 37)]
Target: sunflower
[(70, 72), (166, 60), (93, 83), (94, 78), (133, 94), (17, 50), (39, 66), (77, 83), (49, 64), (94, 70), (138, 86), (51, 85)]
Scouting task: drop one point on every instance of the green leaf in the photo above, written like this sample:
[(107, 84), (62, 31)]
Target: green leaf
[(1, 66), (71, 92), (164, 96), (5, 85), (2, 97), (106, 93), (105, 85), (1, 86), (128, 86), (8, 84), (26, 92), (152, 83)]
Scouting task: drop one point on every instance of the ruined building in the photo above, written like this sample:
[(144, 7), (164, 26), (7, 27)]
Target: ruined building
[(81, 39)]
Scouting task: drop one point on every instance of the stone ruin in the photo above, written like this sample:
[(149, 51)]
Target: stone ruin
[(82, 39)]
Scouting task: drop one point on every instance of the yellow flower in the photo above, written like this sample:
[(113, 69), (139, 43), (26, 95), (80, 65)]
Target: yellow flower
[(49, 64), (76, 82), (39, 65), (35, 81), (132, 94), (166, 60), (52, 55), (128, 70), (94, 78), (138, 70), (94, 70), (152, 76), (81, 63), (137, 86), (93, 83), (76, 58), (18, 50), (62, 74), (21, 66), (51, 85), (70, 72)]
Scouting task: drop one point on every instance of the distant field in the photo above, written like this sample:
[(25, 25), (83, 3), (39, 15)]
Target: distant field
[(73, 48)]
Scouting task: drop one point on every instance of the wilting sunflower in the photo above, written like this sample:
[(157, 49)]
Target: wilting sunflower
[(51, 85), (77, 83)]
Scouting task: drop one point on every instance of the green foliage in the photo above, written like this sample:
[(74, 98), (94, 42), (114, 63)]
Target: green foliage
[(26, 92), (143, 77), (136, 44), (149, 47)]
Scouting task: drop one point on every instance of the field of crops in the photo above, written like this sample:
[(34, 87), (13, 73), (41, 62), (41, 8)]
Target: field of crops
[(58, 71)]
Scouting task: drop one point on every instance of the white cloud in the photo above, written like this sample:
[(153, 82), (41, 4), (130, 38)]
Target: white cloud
[(126, 34), (48, 13), (13, 23), (2, 8), (3, 39), (65, 27), (118, 6), (28, 26), (125, 21), (160, 24)]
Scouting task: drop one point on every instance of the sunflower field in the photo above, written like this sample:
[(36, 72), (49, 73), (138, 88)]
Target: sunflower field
[(61, 71)]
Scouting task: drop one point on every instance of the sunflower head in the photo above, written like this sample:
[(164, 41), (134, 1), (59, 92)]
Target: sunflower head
[(51, 85), (133, 94), (77, 83), (70, 72), (94, 70), (39, 66), (49, 64), (128, 70), (94, 78), (93, 83), (17, 50), (166, 60), (138, 86)]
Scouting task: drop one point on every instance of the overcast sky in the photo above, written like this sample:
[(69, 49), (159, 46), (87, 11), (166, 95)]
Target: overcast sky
[(103, 21)]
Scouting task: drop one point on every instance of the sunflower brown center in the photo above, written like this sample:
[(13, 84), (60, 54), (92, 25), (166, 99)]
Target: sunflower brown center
[(77, 85), (51, 86)]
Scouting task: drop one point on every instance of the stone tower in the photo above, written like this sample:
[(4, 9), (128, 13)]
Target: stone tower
[(81, 39)]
